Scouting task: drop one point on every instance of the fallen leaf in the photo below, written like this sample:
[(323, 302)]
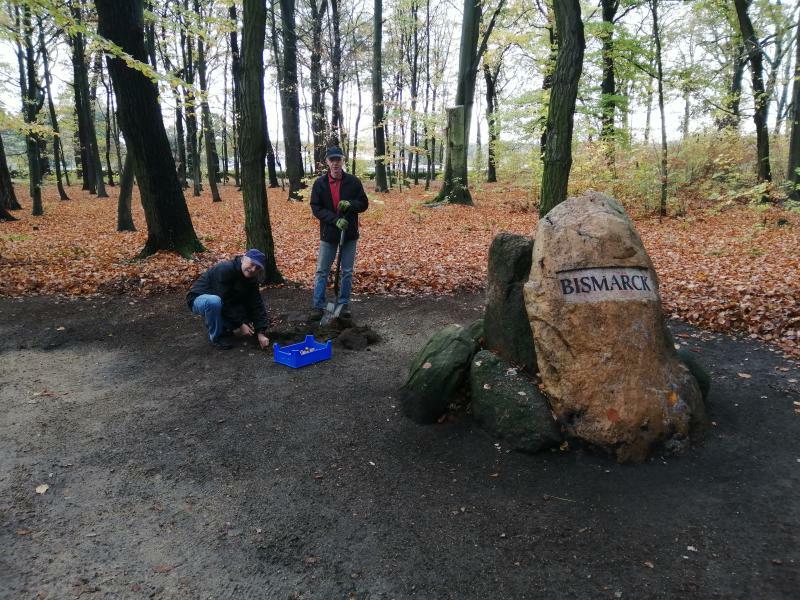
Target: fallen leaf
[(162, 569), (41, 489), (62, 328), (691, 548), (486, 386), (612, 415), (494, 474), (649, 564), (24, 532), (427, 365), (744, 375)]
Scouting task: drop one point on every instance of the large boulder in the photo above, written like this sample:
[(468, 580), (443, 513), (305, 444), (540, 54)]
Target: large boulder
[(605, 358), (507, 330), (438, 373), (509, 406)]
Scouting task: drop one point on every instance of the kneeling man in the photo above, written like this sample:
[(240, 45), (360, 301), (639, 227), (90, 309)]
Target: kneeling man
[(227, 297)]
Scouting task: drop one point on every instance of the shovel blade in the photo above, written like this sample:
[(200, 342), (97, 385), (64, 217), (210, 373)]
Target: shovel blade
[(332, 311), (329, 314)]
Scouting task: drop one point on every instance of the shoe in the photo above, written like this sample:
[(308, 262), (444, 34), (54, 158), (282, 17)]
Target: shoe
[(316, 314), (222, 344), (346, 314)]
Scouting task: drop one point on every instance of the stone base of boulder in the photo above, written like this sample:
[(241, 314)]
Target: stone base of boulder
[(509, 406)]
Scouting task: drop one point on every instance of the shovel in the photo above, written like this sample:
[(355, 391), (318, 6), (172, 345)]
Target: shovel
[(334, 309)]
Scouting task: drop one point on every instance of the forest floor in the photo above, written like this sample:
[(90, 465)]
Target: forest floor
[(138, 461), (722, 266)]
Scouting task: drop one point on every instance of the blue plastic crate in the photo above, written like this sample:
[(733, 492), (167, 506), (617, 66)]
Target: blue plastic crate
[(303, 353)]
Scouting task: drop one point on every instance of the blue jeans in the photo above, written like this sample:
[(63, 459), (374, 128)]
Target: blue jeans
[(325, 258), (210, 307)]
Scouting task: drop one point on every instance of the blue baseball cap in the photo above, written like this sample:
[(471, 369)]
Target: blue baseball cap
[(334, 152), (257, 256)]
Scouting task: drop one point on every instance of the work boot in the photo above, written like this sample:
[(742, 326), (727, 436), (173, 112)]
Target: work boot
[(316, 314), (346, 314), (221, 343)]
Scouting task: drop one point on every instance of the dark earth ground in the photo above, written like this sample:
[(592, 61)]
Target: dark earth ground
[(176, 470)]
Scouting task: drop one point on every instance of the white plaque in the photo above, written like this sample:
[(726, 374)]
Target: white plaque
[(601, 284)]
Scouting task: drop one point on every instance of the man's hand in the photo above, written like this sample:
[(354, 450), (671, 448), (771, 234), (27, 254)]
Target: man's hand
[(263, 341), (342, 224), (344, 206), (246, 329)]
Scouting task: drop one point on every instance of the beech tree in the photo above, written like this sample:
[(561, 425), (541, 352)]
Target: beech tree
[(212, 159), (124, 216), (290, 101), (793, 169), (57, 148), (252, 143), (755, 56), (557, 156), (454, 184), (169, 226), (377, 100), (8, 200), (91, 171)]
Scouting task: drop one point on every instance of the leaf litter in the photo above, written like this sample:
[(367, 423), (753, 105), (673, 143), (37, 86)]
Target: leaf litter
[(731, 272)]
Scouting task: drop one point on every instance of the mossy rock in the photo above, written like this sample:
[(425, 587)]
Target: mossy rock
[(689, 359), (438, 373), (509, 406)]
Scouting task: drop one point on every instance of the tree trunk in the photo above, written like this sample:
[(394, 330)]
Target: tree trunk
[(336, 78), (225, 119), (290, 102), (550, 67), (169, 226), (454, 184), (81, 93), (124, 216), (377, 100), (793, 170), (354, 153), (8, 199), (190, 109), (662, 206), (781, 110), (253, 147), (62, 194), (761, 100), (212, 158), (33, 102), (491, 117), (318, 121), (561, 108), (730, 116), (95, 147), (272, 173), (109, 170), (608, 86), (236, 76), (414, 72)]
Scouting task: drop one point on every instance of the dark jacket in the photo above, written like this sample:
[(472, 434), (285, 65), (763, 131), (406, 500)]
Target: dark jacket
[(322, 206), (241, 300)]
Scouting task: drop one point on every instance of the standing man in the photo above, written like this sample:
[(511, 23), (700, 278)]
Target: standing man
[(227, 297), (336, 199)]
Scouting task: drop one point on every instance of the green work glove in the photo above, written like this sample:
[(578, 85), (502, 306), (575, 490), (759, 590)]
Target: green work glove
[(344, 206), (342, 224)]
